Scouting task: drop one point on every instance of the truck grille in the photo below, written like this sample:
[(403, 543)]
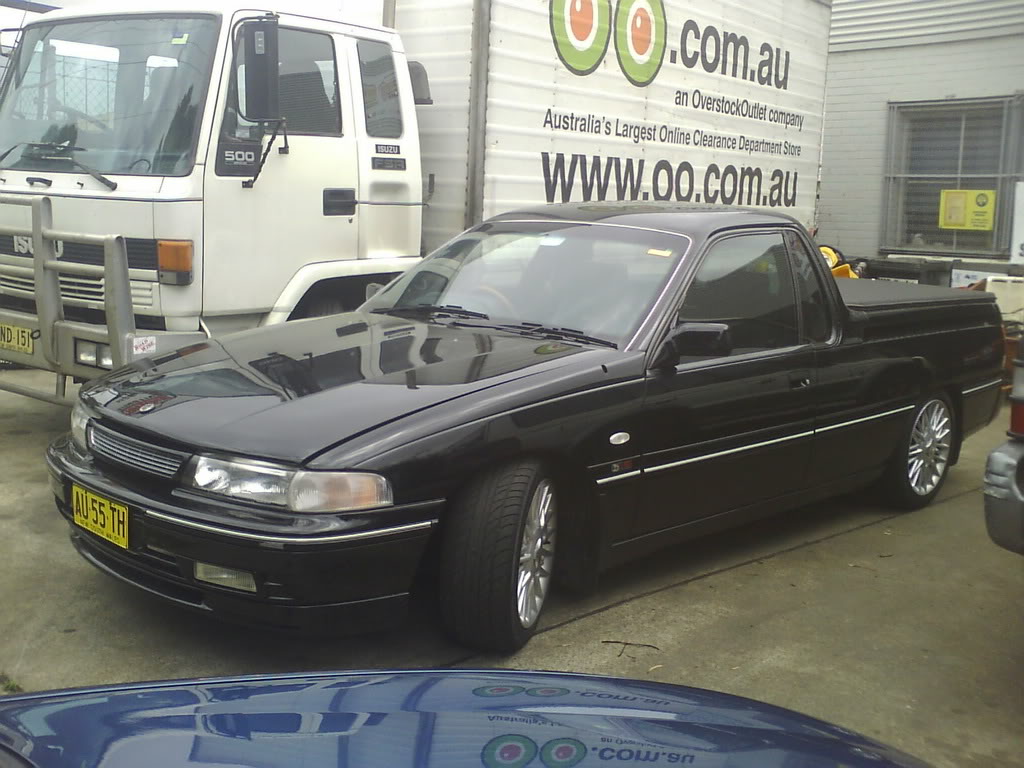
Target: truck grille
[(135, 454), (78, 314), (80, 288), (141, 252)]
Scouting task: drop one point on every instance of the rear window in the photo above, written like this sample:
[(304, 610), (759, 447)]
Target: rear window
[(380, 90)]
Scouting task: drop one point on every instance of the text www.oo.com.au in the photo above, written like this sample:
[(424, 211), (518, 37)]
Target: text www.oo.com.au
[(596, 178)]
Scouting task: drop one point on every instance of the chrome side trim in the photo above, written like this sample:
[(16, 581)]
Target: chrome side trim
[(872, 417), (763, 443), (980, 387), (740, 449), (623, 476), (291, 539)]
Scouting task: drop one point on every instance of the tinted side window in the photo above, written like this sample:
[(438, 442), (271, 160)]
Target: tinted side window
[(380, 90), (745, 282), (308, 82), (817, 326)]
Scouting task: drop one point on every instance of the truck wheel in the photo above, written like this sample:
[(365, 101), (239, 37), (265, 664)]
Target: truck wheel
[(497, 556), (919, 467)]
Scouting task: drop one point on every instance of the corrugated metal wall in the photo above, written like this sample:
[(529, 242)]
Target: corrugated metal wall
[(861, 24), (438, 34)]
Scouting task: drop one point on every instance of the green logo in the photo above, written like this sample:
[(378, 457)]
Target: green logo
[(981, 200), (562, 753), (581, 30), (509, 751), (640, 35)]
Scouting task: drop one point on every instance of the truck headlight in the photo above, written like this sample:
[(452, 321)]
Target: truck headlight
[(297, 490), (79, 423)]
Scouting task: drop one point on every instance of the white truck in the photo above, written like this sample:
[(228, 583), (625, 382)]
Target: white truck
[(171, 170)]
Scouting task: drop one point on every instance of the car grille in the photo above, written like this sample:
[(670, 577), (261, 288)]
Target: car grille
[(135, 454)]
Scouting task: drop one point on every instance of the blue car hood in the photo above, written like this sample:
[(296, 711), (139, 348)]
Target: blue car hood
[(418, 718)]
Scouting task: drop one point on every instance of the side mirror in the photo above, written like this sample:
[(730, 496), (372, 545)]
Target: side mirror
[(372, 289), (693, 340), (258, 39)]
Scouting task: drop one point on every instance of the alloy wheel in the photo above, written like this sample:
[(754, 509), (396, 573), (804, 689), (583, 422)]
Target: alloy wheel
[(536, 554), (930, 443)]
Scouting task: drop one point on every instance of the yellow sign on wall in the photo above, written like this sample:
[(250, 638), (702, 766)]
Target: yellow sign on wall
[(967, 209)]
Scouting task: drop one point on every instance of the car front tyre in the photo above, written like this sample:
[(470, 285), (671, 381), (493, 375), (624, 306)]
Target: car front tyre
[(921, 463), (497, 557)]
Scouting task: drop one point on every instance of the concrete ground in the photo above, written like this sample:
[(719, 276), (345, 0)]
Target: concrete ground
[(908, 628)]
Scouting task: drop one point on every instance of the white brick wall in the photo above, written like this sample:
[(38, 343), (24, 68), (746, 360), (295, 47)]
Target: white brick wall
[(859, 86)]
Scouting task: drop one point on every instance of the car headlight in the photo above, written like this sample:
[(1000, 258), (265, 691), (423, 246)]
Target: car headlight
[(79, 423), (298, 490)]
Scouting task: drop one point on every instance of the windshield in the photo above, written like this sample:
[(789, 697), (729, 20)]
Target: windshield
[(598, 279), (122, 95)]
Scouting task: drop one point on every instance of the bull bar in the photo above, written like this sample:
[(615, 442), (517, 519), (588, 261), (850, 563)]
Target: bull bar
[(46, 271)]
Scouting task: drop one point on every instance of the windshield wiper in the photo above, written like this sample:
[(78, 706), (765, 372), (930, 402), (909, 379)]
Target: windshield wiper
[(557, 332), (548, 332), (108, 183), (532, 329), (53, 146), (451, 310)]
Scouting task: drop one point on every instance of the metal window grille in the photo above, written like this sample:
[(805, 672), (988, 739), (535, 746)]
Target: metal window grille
[(957, 144)]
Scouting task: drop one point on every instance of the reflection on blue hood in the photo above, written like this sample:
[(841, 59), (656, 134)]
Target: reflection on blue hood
[(409, 718)]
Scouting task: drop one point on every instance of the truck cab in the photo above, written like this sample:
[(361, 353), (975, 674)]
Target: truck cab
[(129, 151)]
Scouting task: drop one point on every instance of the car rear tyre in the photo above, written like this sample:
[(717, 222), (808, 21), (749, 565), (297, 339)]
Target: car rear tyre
[(497, 557), (921, 463)]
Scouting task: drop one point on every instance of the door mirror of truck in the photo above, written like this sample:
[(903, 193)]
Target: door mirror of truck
[(693, 340), (258, 40)]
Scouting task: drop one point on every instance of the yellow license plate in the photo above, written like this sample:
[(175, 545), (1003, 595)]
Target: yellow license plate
[(16, 338), (99, 515)]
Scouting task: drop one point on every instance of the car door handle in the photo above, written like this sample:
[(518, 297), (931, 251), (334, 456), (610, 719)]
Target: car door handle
[(340, 202), (799, 381)]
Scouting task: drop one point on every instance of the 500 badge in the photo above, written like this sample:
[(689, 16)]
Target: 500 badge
[(582, 29)]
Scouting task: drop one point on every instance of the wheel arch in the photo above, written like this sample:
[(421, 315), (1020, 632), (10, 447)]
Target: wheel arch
[(306, 280), (580, 538), (349, 289)]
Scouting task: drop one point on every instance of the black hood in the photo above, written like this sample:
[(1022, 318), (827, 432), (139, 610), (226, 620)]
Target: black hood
[(291, 391)]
